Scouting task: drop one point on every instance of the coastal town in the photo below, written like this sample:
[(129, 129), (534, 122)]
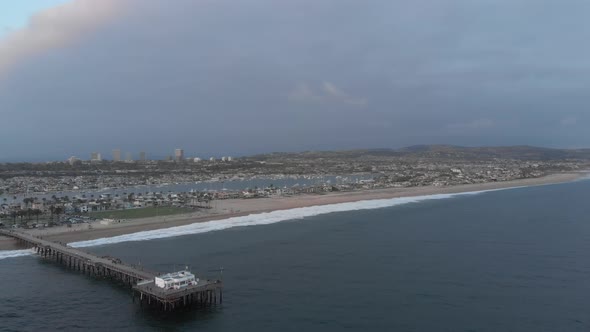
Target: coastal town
[(58, 193), (294, 165)]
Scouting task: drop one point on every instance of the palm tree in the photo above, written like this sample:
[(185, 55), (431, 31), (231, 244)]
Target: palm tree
[(59, 210), (37, 213)]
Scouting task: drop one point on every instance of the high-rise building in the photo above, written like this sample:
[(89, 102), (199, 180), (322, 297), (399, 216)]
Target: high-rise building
[(142, 156), (128, 157), (73, 160), (179, 154), (95, 156), (117, 155)]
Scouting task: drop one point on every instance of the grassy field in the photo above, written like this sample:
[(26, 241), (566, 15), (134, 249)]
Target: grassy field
[(140, 213)]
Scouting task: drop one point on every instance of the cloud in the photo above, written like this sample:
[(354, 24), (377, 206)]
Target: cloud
[(326, 93), (380, 124), (53, 28), (332, 90), (303, 93), (472, 125), (569, 121), (445, 70)]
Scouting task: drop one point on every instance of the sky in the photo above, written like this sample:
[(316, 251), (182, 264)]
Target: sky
[(231, 77), (15, 14)]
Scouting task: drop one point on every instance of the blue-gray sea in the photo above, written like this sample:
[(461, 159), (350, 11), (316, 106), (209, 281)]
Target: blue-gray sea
[(511, 260)]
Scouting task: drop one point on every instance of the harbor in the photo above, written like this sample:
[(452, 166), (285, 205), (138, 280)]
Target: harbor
[(174, 293)]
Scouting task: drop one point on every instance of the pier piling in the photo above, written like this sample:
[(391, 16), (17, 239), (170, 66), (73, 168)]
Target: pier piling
[(203, 293)]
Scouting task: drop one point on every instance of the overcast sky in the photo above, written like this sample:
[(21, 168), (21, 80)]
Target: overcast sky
[(232, 77)]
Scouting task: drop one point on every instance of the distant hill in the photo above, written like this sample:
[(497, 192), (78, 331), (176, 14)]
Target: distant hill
[(522, 152)]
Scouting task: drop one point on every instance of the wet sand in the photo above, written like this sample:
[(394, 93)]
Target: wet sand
[(7, 243), (240, 207)]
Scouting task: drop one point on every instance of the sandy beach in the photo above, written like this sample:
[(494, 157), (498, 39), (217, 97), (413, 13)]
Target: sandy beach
[(240, 207), (7, 243)]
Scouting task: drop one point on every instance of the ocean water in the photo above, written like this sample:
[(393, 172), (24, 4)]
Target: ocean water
[(288, 182), (511, 260), (266, 218)]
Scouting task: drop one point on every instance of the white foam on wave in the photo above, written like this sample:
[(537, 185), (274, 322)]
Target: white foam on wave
[(15, 253), (267, 218), (584, 177)]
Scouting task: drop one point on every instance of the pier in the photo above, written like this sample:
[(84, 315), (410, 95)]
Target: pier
[(142, 282)]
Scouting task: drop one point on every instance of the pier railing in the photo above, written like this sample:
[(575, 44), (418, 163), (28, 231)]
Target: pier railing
[(204, 292)]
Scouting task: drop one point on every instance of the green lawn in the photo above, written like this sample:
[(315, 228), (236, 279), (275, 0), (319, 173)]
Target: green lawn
[(140, 213)]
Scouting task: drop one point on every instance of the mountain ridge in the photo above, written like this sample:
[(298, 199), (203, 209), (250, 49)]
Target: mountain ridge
[(517, 152)]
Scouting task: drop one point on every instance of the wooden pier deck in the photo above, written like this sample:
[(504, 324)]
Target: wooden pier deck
[(205, 292)]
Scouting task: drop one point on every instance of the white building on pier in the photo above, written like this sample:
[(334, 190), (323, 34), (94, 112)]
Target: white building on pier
[(176, 280)]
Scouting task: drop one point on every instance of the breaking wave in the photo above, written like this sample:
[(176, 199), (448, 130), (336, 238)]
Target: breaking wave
[(266, 218), (14, 253)]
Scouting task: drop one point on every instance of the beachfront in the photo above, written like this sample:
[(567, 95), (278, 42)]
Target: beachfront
[(241, 207)]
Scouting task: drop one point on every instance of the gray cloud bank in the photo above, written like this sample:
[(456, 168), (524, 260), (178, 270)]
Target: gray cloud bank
[(232, 77), (53, 28)]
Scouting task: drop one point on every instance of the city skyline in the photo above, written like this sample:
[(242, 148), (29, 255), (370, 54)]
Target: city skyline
[(137, 156), (178, 155)]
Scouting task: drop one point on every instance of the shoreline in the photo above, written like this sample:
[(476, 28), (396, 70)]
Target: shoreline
[(242, 207)]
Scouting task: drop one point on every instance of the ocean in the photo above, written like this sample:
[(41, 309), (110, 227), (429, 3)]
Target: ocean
[(508, 260)]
